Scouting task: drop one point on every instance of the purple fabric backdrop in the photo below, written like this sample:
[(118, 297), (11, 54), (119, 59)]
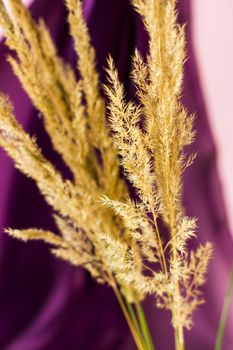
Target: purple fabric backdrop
[(45, 304)]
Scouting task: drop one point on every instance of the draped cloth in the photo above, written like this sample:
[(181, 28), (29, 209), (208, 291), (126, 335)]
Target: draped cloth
[(46, 304)]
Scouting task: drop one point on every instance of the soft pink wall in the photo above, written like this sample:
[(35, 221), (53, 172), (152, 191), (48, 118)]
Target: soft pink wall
[(212, 36)]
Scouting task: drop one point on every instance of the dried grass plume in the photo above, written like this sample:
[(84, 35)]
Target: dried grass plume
[(117, 239)]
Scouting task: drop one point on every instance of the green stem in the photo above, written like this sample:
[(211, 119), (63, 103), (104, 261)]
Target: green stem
[(144, 327), (224, 313), (136, 336), (135, 321)]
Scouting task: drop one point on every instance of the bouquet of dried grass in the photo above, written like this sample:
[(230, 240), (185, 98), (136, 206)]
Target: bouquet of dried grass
[(117, 239)]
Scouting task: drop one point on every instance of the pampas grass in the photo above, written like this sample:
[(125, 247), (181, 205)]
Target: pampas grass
[(116, 238)]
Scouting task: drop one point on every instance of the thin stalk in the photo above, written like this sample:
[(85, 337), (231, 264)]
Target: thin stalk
[(144, 327), (224, 313), (178, 332), (135, 321), (179, 339), (135, 335)]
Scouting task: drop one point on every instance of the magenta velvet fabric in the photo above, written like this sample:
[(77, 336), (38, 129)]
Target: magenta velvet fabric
[(46, 304)]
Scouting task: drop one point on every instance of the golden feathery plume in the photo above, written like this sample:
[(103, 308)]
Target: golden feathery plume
[(72, 126), (73, 208), (49, 82), (153, 158), (98, 133), (52, 86), (102, 229)]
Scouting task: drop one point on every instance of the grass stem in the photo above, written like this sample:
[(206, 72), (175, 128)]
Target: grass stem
[(224, 313), (133, 330), (144, 327)]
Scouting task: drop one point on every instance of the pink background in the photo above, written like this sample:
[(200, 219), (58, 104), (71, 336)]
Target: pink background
[(212, 37)]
